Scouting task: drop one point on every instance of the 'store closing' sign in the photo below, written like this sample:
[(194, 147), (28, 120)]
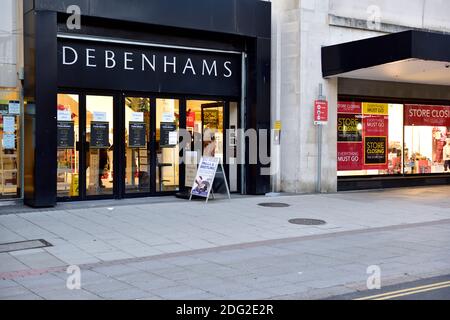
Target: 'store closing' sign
[(426, 115), (375, 149)]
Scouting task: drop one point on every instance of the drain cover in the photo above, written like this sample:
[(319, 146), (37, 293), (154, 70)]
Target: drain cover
[(307, 222), (23, 245), (274, 205)]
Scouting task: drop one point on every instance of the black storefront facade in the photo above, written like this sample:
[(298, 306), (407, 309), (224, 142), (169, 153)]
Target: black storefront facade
[(103, 102)]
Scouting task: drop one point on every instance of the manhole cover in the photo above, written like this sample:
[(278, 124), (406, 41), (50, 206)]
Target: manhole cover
[(307, 222), (23, 245), (274, 205)]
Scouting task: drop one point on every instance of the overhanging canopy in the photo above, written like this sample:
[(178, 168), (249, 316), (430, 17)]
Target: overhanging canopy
[(410, 56)]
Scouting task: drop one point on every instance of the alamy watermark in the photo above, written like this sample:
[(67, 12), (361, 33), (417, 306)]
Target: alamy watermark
[(74, 279), (374, 279), (243, 147), (74, 20), (374, 17)]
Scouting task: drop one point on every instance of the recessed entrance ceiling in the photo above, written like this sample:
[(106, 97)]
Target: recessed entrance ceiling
[(410, 57), (410, 70)]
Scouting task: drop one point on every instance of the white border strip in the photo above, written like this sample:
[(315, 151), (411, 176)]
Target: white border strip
[(139, 43)]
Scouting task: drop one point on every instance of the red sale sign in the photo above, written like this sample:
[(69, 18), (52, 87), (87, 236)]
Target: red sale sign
[(363, 136), (427, 115), (190, 119), (350, 107), (350, 156), (377, 126)]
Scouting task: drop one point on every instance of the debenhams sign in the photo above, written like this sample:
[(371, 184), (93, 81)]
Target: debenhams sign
[(93, 65)]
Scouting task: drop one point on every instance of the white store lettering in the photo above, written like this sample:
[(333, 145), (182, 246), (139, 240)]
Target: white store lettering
[(429, 113), (131, 61), (89, 57), (151, 64), (210, 70), (173, 63), (109, 57), (127, 60), (75, 53), (189, 65)]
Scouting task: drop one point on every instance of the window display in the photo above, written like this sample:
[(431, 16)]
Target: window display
[(427, 130), (10, 140), (392, 139)]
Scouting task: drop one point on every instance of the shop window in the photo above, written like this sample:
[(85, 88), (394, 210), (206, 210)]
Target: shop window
[(427, 139), (10, 126), (167, 147), (68, 153), (370, 139), (377, 139)]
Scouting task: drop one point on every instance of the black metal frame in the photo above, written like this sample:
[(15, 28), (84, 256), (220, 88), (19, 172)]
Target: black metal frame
[(119, 188)]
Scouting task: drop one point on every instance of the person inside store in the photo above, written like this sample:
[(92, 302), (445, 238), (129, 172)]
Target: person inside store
[(210, 144), (104, 167), (210, 150), (446, 155)]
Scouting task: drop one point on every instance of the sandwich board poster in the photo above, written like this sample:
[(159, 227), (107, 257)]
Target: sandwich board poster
[(205, 177)]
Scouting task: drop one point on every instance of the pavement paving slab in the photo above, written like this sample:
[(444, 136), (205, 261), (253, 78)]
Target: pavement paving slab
[(227, 249)]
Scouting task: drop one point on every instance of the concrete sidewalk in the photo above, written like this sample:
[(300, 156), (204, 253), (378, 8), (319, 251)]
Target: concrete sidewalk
[(312, 267), (104, 234)]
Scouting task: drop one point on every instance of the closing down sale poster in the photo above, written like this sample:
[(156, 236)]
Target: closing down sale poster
[(363, 130)]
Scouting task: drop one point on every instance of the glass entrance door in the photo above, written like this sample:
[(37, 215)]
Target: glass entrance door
[(68, 144), (167, 147), (85, 140), (112, 146), (205, 121), (137, 145), (99, 145)]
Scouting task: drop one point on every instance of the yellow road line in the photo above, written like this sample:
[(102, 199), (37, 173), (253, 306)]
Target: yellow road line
[(414, 292), (404, 291)]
